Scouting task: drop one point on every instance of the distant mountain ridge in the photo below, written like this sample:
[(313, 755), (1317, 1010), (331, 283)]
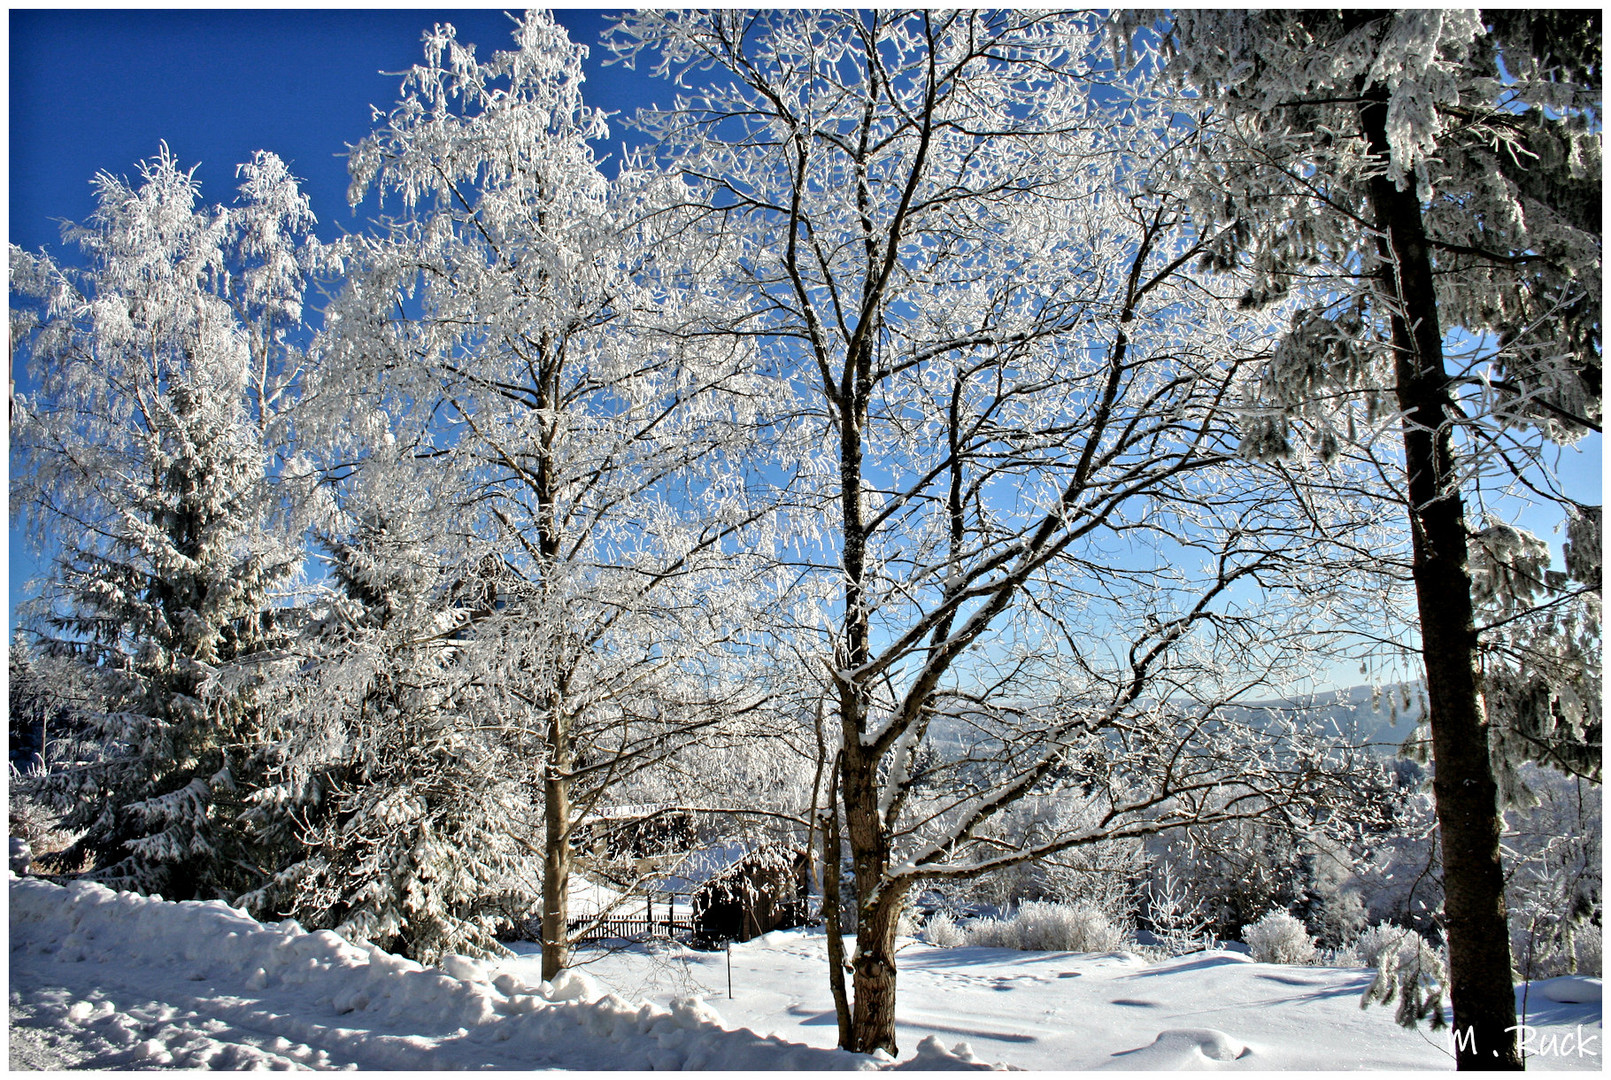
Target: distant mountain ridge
[(1382, 716)]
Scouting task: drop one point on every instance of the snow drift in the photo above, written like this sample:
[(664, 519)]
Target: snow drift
[(203, 985)]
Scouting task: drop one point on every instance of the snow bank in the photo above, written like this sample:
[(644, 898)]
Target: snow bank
[(1570, 989), (1182, 1048), (234, 993)]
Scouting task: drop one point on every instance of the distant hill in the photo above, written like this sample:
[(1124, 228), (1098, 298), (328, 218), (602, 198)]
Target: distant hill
[(1377, 716), (1359, 715)]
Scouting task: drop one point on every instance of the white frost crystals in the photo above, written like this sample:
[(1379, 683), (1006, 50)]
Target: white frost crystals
[(156, 451)]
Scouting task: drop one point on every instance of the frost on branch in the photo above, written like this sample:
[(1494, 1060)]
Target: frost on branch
[(1413, 973), (1541, 652)]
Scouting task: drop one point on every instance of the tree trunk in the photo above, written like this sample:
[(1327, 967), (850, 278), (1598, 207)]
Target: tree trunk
[(557, 851), (1469, 820), (872, 1022), (831, 853), (877, 906), (873, 971)]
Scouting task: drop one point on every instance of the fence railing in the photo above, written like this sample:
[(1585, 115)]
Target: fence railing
[(628, 926)]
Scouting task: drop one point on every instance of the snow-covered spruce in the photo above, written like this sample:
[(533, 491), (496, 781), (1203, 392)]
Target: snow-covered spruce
[(153, 457), (1038, 926)]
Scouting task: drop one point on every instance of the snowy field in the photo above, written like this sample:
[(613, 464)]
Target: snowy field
[(116, 981)]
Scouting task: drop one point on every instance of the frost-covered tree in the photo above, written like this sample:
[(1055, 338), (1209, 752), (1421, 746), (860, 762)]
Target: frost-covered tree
[(152, 462), (1035, 551), (520, 332), (392, 780), (1554, 887), (1429, 183), (1540, 648)]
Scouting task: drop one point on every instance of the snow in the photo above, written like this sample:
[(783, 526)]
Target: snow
[(1059, 1011), (1570, 989), (114, 980), (101, 979), (1182, 1048)]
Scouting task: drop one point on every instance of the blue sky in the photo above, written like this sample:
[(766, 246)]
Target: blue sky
[(93, 90)]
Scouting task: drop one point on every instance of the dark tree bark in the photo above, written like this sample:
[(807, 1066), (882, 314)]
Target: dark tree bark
[(832, 849), (557, 850), (1469, 820)]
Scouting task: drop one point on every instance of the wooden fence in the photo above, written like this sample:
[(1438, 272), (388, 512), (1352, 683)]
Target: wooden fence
[(629, 927)]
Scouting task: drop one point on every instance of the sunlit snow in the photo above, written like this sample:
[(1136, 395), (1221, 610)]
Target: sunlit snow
[(113, 980)]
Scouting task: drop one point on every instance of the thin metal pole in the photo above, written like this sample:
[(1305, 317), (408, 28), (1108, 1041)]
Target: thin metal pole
[(729, 971)]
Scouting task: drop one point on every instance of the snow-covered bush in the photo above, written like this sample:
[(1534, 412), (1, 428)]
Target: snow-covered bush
[(1278, 938), (1177, 920), (1044, 927), (942, 931)]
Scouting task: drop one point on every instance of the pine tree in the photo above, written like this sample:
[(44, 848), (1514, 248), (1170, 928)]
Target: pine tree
[(147, 456), (392, 783), (1415, 176)]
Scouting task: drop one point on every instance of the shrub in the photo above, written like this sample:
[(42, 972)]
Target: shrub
[(1040, 926), (1177, 919), (943, 931), (1278, 938), (1543, 948), (1383, 937)]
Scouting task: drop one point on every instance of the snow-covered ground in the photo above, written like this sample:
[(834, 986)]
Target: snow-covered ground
[(1056, 1011), (112, 980)]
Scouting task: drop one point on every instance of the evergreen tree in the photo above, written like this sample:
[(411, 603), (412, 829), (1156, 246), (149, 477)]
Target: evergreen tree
[(393, 783), (1429, 183), (147, 456)]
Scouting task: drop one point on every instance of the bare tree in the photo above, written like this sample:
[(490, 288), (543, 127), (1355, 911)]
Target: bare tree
[(1038, 552)]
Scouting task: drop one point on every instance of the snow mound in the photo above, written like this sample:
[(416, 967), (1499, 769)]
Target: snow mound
[(933, 1056), (462, 968), (572, 985), (250, 995), (1182, 1048), (1570, 989)]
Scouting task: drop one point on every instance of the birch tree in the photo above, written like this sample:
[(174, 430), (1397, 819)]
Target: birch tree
[(1430, 174), (1034, 535), (153, 461), (514, 323)]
